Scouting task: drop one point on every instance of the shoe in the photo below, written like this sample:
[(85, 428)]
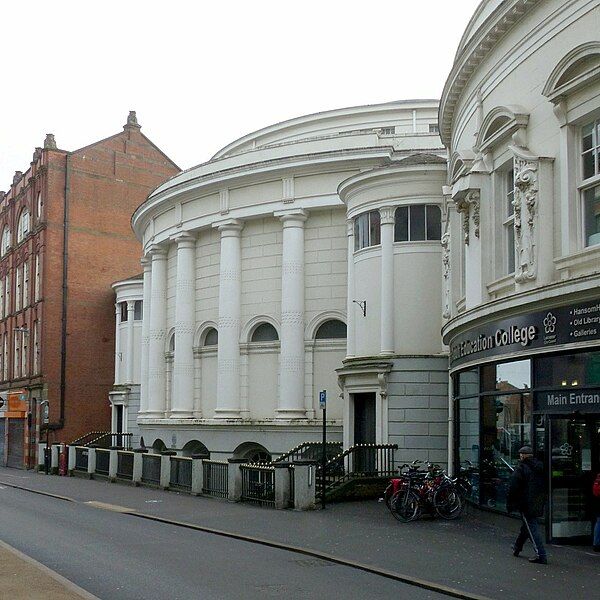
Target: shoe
[(516, 551), (539, 560)]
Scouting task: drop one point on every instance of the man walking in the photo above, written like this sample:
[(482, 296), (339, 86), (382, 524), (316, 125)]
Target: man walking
[(527, 495)]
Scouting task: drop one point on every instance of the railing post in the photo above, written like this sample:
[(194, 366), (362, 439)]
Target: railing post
[(113, 462), (91, 461), (72, 459), (197, 474), (305, 488), (234, 476), (282, 485), (165, 468), (138, 454), (55, 451)]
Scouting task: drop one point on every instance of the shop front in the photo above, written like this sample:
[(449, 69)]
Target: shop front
[(532, 379)]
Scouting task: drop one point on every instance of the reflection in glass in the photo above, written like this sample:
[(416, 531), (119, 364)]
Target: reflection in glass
[(506, 377), (568, 370), (468, 448), (506, 427), (468, 383)]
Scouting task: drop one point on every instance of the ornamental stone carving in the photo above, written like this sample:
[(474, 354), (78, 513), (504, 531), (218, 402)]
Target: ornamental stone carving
[(468, 206), (525, 205), (387, 215), (446, 272)]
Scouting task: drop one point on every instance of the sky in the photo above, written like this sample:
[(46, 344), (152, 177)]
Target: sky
[(202, 74)]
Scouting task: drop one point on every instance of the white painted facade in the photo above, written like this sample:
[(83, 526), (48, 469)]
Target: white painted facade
[(520, 117), (254, 245)]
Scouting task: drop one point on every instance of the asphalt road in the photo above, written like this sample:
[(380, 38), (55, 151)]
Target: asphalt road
[(120, 557)]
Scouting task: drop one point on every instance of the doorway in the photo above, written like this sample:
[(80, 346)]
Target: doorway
[(364, 430), (574, 456)]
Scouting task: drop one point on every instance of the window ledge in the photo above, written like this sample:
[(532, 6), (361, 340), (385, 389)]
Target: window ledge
[(586, 257), (501, 286)]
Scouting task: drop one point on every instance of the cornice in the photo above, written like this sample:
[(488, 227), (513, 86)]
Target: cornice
[(493, 29)]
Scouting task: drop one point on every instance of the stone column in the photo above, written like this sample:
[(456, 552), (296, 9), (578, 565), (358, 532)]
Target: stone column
[(182, 396), (230, 291), (147, 265), (291, 389), (350, 320), (387, 280), (157, 333), (129, 356), (118, 353)]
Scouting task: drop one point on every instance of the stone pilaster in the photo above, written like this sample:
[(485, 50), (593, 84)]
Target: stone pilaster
[(130, 345), (387, 280), (147, 266), (350, 320)]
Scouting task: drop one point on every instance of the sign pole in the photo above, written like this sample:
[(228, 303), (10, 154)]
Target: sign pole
[(323, 405)]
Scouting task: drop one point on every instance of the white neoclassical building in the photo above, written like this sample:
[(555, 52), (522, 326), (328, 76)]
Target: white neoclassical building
[(520, 116), (303, 257)]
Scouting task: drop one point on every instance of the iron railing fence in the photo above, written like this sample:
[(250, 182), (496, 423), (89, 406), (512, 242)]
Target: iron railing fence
[(86, 438), (104, 439), (81, 459), (181, 473), (362, 461), (151, 468), (125, 464), (311, 451), (258, 484), (215, 478), (102, 461)]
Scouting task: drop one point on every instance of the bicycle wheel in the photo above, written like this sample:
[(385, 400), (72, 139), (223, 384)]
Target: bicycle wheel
[(405, 506), (447, 502)]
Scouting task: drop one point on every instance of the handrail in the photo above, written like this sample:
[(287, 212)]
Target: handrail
[(89, 434), (300, 448)]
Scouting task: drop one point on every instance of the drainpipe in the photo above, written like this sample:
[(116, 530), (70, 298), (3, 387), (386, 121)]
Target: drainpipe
[(63, 337), (451, 426)]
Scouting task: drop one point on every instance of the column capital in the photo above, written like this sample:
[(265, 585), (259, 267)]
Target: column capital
[(231, 227), (183, 239), (157, 251), (130, 305), (387, 215), (146, 262), (294, 217), (350, 227)]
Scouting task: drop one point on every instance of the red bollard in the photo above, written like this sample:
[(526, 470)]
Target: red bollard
[(62, 460)]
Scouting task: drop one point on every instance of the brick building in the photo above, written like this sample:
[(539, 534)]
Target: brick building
[(65, 237)]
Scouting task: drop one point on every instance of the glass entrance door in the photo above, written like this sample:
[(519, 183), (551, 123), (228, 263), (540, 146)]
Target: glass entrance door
[(574, 459)]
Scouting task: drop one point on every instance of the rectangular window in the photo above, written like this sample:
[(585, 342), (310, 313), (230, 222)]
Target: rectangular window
[(137, 311), (36, 348), (25, 284), (18, 289), (123, 306), (16, 356), (590, 162), (509, 221), (37, 277), (7, 295), (417, 222), (1, 298), (388, 130), (434, 128), (24, 349), (367, 230), (5, 357)]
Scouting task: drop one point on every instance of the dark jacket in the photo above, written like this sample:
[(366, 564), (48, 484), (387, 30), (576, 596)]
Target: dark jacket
[(527, 488)]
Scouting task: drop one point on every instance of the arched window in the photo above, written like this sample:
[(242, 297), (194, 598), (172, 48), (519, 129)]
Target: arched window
[(158, 446), (172, 343), (194, 447), (331, 330), (211, 337), (5, 243), (418, 222), (265, 332), (40, 206), (367, 230), (24, 226)]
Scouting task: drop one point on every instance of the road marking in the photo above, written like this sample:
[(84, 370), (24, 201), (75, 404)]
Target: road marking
[(113, 507)]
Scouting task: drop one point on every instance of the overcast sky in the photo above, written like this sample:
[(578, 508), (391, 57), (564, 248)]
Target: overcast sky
[(201, 74)]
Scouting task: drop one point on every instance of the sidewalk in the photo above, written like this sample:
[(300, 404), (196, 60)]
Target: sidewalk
[(22, 578), (472, 553)]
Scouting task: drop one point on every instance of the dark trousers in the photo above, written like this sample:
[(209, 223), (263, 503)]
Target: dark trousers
[(530, 530)]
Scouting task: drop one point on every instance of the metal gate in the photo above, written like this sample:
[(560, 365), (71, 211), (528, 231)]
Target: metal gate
[(16, 439)]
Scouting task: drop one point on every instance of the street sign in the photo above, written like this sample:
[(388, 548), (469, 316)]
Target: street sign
[(323, 399)]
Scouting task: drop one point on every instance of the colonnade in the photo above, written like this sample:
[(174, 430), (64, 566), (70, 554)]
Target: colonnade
[(154, 328)]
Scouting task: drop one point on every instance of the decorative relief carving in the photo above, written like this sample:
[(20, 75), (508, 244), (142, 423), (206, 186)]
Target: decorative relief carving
[(473, 199), (467, 206), (292, 364), (525, 204), (291, 317), (446, 272), (350, 227), (288, 190), (387, 215), (228, 322), (157, 334), (229, 274), (227, 365), (183, 327), (292, 267), (224, 201), (462, 207)]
